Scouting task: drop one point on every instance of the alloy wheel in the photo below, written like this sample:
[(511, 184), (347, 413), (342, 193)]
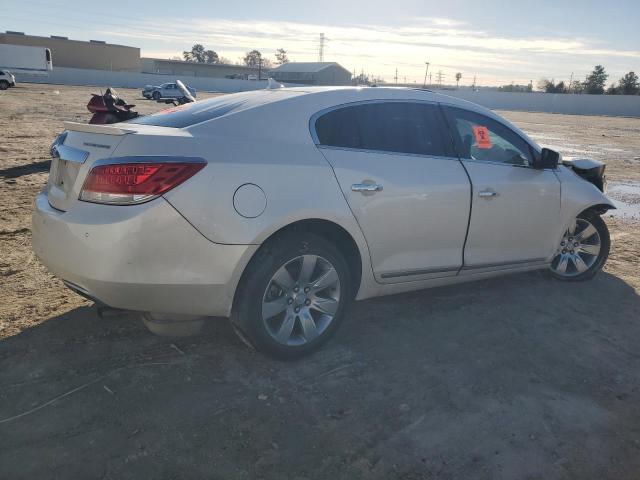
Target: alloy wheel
[(301, 300), (578, 250)]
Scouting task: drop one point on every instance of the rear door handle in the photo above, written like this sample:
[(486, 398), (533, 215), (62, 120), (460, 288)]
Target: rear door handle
[(488, 194), (366, 187)]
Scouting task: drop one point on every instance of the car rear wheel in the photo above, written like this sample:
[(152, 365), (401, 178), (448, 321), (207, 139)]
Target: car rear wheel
[(583, 249), (155, 95), (293, 297), (4, 84)]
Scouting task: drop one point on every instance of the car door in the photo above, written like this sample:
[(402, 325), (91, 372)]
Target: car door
[(515, 212), (405, 186), (169, 90)]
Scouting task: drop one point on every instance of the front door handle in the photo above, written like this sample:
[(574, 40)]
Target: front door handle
[(366, 187), (488, 194)]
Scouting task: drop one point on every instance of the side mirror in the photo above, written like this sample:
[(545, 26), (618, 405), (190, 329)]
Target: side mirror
[(548, 159)]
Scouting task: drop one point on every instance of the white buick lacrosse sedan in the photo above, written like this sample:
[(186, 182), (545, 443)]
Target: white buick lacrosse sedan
[(278, 207)]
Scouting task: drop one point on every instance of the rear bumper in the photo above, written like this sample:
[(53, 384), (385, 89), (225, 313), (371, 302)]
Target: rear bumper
[(144, 257)]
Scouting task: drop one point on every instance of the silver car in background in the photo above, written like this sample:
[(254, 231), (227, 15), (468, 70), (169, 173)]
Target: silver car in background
[(166, 90), (278, 207)]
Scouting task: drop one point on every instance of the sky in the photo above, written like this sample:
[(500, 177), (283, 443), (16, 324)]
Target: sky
[(498, 42)]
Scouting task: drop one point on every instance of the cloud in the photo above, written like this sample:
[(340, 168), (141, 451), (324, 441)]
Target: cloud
[(446, 43)]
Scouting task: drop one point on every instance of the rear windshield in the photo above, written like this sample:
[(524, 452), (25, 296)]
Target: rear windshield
[(191, 113), (204, 110)]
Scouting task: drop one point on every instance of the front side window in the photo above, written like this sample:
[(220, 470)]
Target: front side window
[(402, 127), (479, 137)]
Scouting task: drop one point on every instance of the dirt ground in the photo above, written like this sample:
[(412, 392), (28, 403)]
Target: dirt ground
[(517, 377)]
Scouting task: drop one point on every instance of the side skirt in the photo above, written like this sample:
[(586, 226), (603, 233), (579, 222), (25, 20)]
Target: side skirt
[(464, 276)]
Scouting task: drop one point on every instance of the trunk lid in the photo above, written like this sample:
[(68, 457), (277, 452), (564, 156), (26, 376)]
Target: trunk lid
[(73, 153), (79, 147)]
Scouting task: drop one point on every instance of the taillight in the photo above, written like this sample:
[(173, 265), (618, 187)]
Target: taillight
[(131, 183)]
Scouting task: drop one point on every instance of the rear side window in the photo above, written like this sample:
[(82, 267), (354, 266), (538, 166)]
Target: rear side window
[(402, 127)]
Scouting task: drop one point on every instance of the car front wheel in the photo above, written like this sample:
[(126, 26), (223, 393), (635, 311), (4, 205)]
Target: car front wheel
[(583, 249), (293, 297), (156, 95)]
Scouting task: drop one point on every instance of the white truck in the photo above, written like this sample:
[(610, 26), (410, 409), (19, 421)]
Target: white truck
[(6, 79), (22, 59)]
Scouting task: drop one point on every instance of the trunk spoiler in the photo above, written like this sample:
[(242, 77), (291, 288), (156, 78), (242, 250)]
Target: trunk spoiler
[(110, 129)]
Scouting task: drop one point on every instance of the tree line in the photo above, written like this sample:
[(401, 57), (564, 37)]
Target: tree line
[(254, 58), (594, 84)]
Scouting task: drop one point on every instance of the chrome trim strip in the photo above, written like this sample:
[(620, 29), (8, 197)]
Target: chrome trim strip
[(425, 271), (385, 152), (70, 154), (96, 145), (148, 159), (503, 264), (504, 164)]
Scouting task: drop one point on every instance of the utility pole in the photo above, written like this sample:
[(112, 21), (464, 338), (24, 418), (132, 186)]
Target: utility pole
[(424, 85), (570, 81), (396, 77), (440, 75), (321, 48), (430, 82), (474, 83)]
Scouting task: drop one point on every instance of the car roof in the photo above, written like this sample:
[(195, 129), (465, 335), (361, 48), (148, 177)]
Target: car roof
[(318, 98), (305, 101)]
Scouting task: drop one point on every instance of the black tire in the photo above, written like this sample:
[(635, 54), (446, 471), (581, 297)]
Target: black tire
[(605, 245), (246, 317), (155, 96), (4, 84)]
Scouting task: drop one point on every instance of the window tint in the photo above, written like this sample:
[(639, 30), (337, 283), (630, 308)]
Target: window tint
[(404, 127), (481, 138)]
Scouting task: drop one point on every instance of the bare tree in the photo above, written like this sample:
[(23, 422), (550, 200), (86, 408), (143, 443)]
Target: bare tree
[(541, 84), (458, 77), (281, 56), (253, 58)]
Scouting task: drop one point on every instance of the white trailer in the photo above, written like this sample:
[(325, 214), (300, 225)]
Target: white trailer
[(25, 60)]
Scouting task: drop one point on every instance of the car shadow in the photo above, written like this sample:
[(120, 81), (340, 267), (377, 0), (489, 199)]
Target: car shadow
[(510, 377), (28, 169)]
